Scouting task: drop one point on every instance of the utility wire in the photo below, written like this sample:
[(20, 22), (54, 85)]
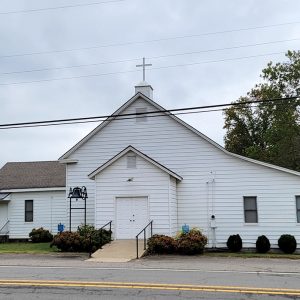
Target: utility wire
[(133, 71), (57, 7), (157, 113), (151, 57), (115, 119), (72, 66), (126, 43)]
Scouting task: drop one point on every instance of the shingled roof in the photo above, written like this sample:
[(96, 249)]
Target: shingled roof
[(38, 174)]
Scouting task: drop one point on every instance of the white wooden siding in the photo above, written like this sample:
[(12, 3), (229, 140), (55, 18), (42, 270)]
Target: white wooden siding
[(147, 181), (193, 158), (49, 209), (3, 214)]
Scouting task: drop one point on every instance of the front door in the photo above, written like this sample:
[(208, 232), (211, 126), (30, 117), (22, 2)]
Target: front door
[(131, 216)]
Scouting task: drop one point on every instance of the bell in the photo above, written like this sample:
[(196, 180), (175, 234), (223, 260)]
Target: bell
[(76, 193)]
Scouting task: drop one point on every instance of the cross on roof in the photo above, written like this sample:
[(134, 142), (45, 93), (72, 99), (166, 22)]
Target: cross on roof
[(144, 65)]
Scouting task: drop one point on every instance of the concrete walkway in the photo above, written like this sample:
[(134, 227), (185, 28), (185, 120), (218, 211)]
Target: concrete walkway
[(118, 251)]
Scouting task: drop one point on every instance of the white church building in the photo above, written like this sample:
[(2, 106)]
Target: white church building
[(143, 166)]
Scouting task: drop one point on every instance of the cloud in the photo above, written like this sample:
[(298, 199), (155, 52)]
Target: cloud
[(131, 20)]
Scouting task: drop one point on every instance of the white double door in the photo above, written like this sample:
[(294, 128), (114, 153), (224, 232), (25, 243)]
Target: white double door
[(131, 216)]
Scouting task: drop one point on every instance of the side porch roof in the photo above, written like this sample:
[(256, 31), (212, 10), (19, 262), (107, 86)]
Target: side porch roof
[(30, 175)]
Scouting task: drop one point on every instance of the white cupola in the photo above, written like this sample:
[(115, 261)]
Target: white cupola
[(144, 88)]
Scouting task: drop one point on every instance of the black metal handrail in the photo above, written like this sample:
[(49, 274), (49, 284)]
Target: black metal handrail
[(108, 223), (101, 235), (145, 240), (4, 227)]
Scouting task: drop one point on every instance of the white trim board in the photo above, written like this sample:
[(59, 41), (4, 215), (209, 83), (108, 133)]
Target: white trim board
[(34, 190), (137, 152)]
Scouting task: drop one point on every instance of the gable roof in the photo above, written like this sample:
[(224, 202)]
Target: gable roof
[(140, 95), (137, 152), (38, 174)]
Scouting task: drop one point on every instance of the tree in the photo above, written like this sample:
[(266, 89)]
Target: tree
[(269, 131)]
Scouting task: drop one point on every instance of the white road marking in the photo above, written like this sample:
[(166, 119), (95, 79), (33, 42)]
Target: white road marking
[(150, 269)]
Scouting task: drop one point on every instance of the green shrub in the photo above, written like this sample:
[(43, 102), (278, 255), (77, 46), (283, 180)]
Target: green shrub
[(287, 243), (40, 235), (262, 244), (68, 241), (86, 239), (93, 239), (234, 243), (191, 243), (161, 244)]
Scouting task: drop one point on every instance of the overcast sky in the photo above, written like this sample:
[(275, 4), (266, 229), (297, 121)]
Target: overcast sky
[(129, 22)]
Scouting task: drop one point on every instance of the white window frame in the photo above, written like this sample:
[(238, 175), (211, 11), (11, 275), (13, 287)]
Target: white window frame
[(26, 211), (250, 210), (297, 209)]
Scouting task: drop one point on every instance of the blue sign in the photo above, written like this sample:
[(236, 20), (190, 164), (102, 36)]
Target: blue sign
[(185, 228), (60, 227)]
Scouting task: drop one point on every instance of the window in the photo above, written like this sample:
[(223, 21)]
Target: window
[(250, 210), (298, 208), (131, 161), (28, 210), (140, 111)]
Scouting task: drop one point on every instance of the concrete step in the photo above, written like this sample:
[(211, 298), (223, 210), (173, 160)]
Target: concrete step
[(118, 251)]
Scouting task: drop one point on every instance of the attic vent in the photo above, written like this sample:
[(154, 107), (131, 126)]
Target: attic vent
[(131, 161), (140, 114)]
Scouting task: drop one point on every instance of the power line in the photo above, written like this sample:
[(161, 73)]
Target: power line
[(151, 57), (157, 113), (72, 66), (126, 43), (58, 7), (117, 119), (133, 71)]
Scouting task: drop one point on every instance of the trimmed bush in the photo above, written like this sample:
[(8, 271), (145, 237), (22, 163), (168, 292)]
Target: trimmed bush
[(68, 241), (191, 243), (287, 243), (161, 244), (93, 239), (262, 244), (40, 235), (86, 239), (234, 243)]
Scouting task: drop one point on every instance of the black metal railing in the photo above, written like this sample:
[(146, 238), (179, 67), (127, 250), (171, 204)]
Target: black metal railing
[(101, 235), (2, 231), (108, 223), (150, 224)]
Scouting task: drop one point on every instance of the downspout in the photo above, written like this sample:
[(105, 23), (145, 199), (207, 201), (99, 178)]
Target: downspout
[(169, 208)]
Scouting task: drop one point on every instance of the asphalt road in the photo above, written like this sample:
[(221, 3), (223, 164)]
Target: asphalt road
[(52, 277)]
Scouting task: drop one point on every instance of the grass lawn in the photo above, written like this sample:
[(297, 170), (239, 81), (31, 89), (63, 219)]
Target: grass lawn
[(33, 248), (252, 255)]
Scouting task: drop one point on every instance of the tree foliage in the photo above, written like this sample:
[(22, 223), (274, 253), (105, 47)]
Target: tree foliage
[(269, 131)]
